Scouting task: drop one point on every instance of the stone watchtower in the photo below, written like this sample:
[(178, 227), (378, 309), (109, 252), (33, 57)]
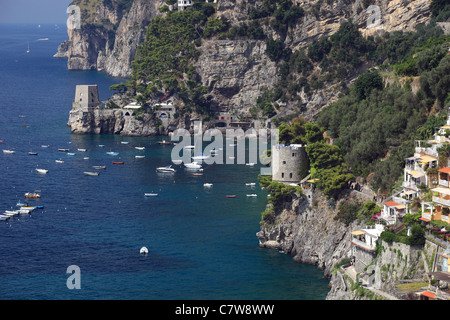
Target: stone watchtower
[(86, 98), (286, 162)]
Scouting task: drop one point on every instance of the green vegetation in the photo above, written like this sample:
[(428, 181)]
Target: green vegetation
[(417, 236), (280, 194)]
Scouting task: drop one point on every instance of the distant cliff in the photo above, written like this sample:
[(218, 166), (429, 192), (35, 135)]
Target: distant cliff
[(237, 70), (109, 35)]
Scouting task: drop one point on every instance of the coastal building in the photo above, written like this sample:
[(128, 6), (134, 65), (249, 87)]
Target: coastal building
[(286, 161), (86, 98), (131, 108), (183, 4), (364, 243)]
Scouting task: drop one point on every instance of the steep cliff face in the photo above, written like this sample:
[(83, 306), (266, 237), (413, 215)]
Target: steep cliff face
[(108, 37), (234, 70), (307, 230)]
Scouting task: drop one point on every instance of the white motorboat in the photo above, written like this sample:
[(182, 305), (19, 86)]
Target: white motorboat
[(139, 157), (10, 213), (81, 150), (59, 161), (193, 165), (207, 185), (251, 164), (143, 250), (99, 167), (89, 173), (150, 194), (167, 169), (140, 148), (43, 171), (112, 153), (3, 217), (252, 195), (8, 151), (251, 184), (124, 142)]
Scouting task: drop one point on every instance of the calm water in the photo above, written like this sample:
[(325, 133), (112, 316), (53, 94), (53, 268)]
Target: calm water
[(202, 245)]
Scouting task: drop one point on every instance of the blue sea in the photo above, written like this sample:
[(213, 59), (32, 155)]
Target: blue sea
[(201, 244)]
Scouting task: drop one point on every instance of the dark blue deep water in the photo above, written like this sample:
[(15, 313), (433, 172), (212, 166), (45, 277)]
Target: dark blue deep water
[(202, 245)]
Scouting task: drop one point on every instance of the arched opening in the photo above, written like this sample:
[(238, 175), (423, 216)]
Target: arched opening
[(221, 124), (127, 114), (163, 115)]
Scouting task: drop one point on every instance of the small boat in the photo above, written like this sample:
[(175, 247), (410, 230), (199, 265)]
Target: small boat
[(45, 146), (63, 150), (252, 195), (20, 204), (251, 164), (139, 157), (207, 185), (81, 150), (118, 162), (26, 209), (85, 158), (99, 167), (11, 213), (231, 196), (44, 171), (59, 161), (167, 169), (89, 173), (30, 195), (32, 153), (8, 151), (4, 217), (193, 165), (111, 153), (143, 250), (250, 184), (164, 142), (197, 174), (140, 148), (124, 142), (101, 145), (150, 194), (70, 153)]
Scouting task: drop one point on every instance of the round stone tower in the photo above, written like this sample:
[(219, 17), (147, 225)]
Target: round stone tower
[(286, 162)]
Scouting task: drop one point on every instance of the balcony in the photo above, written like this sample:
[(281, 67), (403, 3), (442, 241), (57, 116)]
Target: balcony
[(426, 215), (443, 183), (363, 245), (442, 201)]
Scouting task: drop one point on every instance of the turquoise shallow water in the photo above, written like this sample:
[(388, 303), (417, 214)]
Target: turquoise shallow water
[(202, 245)]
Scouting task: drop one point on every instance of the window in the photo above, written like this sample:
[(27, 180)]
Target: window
[(294, 154), (290, 175), (284, 162), (282, 174)]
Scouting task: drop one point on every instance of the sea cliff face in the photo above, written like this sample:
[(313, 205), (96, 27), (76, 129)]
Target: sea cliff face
[(234, 71), (108, 39)]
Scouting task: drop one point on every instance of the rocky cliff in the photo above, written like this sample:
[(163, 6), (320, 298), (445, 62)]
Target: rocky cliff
[(109, 36), (307, 229), (234, 71)]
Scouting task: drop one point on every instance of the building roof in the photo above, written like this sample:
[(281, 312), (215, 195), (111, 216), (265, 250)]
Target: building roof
[(428, 294), (391, 203), (426, 158), (445, 170), (416, 174), (441, 190)]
